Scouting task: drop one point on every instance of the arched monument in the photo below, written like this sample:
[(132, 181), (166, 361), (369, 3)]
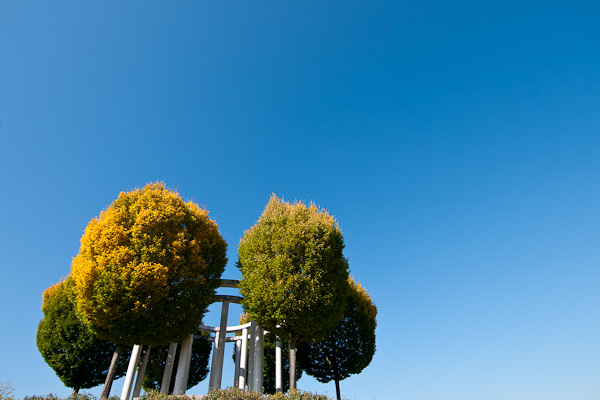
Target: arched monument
[(249, 355)]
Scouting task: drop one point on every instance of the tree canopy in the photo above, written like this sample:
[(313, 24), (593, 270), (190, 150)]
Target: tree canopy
[(351, 345), (77, 356), (148, 267), (294, 273)]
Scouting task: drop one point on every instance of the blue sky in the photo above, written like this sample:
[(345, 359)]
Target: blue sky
[(456, 143)]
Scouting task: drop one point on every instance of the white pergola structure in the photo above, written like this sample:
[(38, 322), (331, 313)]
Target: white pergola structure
[(249, 356)]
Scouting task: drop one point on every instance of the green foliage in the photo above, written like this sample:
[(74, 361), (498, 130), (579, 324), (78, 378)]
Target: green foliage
[(201, 348), (236, 394), (298, 395), (233, 394), (153, 394), (351, 345), (49, 396), (77, 356), (294, 273), (148, 267)]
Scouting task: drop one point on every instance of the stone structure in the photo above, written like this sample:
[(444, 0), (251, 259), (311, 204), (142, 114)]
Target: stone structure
[(249, 355)]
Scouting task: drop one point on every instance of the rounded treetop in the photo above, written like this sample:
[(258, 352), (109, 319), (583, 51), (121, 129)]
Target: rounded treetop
[(148, 267)]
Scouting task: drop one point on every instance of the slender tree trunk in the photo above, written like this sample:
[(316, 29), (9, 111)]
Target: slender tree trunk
[(292, 365), (336, 376), (112, 371), (75, 391)]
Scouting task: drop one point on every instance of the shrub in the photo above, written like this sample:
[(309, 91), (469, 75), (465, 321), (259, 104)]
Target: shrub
[(297, 395), (237, 394), (6, 391), (75, 396), (154, 394)]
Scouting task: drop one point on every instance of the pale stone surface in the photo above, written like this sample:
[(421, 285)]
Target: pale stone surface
[(258, 360), (164, 385), (278, 384), (133, 362), (141, 372), (183, 368), (238, 350), (244, 360)]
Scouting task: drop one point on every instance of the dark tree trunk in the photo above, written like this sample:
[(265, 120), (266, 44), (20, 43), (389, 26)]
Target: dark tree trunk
[(75, 391), (336, 377), (292, 365), (112, 371)]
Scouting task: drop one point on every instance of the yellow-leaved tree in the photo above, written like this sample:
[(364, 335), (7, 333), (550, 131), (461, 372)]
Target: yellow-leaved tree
[(148, 268)]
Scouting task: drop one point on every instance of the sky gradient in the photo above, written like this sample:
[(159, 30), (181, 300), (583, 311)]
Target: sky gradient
[(457, 144)]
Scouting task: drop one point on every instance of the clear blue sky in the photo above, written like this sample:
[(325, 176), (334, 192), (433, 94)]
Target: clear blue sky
[(457, 143)]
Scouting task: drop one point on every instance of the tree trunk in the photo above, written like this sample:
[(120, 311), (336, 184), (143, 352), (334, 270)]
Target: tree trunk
[(75, 391), (112, 371), (336, 376), (292, 365)]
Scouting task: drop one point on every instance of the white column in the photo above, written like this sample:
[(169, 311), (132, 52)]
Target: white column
[(278, 382), (183, 368), (166, 380), (133, 362), (213, 361), (141, 372), (243, 360), (251, 343), (238, 350), (219, 349), (257, 368)]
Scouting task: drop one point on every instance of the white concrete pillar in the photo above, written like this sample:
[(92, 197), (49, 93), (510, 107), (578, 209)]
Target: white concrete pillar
[(183, 367), (257, 367), (213, 361), (243, 360), (251, 343), (133, 362), (166, 380), (278, 381), (216, 371), (141, 373), (238, 350)]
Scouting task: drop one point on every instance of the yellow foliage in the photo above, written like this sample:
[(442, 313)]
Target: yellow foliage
[(49, 294), (148, 258), (363, 299)]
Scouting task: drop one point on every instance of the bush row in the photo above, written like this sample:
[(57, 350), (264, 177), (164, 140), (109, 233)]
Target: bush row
[(215, 394)]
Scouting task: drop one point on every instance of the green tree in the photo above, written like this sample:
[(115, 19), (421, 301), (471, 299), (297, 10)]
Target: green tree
[(147, 269), (349, 348), (294, 273), (77, 356), (201, 348)]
